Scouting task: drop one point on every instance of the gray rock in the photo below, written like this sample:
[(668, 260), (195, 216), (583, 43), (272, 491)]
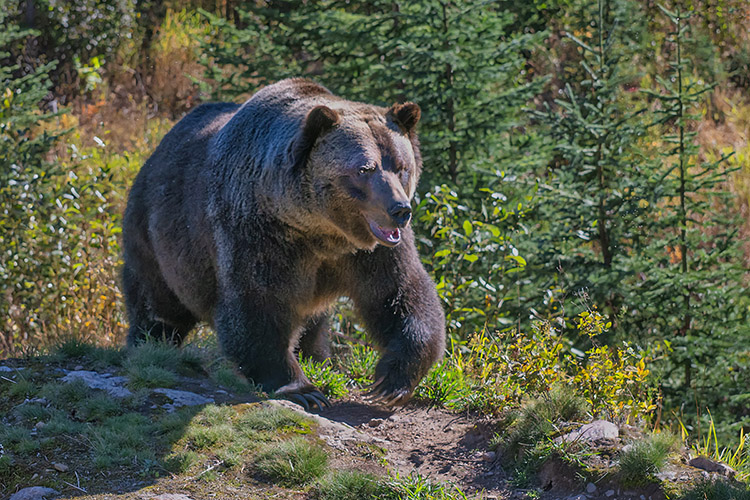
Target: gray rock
[(182, 398), (103, 381), (375, 422), (6, 369), (338, 435), (610, 493), (709, 465), (171, 496), (35, 493), (590, 488), (580, 496), (60, 467), (595, 431)]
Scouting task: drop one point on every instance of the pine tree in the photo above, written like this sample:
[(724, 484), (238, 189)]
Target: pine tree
[(690, 294), (591, 200)]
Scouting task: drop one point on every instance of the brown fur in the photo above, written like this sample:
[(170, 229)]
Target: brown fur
[(256, 218)]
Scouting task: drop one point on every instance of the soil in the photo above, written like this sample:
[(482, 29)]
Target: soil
[(442, 446)]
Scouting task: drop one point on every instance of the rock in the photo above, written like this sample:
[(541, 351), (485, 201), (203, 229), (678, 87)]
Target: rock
[(709, 465), (375, 422), (103, 381), (595, 431), (490, 456), (78, 367), (580, 496), (338, 435), (6, 369), (35, 493), (60, 467), (171, 496), (182, 398), (610, 493), (39, 425), (590, 488)]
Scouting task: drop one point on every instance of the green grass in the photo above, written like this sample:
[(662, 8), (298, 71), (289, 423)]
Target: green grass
[(22, 389), (98, 407), (359, 364), (122, 440), (324, 377), (268, 418), (291, 463), (538, 418), (151, 376), (224, 374), (65, 393), (717, 490), (350, 485), (639, 464), (181, 462)]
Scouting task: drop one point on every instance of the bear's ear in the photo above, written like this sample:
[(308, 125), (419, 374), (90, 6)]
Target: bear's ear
[(405, 115), (320, 119)]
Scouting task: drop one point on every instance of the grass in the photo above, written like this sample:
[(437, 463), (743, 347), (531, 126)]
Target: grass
[(159, 364), (292, 463), (325, 378), (539, 418), (349, 485), (268, 418), (717, 490), (645, 459)]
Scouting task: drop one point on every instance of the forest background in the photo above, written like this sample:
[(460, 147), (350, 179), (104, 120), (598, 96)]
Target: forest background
[(587, 165)]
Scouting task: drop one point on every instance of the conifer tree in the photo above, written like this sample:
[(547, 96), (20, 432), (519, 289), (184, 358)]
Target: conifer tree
[(690, 294)]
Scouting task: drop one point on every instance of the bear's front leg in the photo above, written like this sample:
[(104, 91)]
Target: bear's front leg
[(255, 334), (399, 304)]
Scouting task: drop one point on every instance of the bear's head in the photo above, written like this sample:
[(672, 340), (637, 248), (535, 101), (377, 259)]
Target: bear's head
[(362, 164)]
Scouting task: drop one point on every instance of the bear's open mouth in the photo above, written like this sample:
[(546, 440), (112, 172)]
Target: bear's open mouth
[(389, 237)]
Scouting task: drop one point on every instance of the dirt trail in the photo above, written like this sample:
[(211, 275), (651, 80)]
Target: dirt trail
[(443, 446)]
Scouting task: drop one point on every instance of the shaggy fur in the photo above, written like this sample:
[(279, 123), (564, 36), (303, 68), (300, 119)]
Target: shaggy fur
[(256, 218)]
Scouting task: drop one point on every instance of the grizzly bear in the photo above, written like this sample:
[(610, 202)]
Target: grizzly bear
[(256, 218)]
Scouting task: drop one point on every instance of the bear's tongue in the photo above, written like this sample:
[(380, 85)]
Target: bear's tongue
[(392, 235), (386, 235)]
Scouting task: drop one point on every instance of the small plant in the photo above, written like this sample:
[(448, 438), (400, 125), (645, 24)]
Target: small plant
[(151, 376), (708, 446), (359, 364), (717, 490), (323, 376), (646, 458), (540, 418), (293, 463), (349, 485)]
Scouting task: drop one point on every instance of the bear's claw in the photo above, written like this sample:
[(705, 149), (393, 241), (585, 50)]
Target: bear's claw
[(308, 399), (376, 393)]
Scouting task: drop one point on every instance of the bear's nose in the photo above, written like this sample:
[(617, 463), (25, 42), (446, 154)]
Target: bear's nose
[(400, 213)]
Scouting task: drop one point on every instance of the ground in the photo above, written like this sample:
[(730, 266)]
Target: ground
[(163, 422)]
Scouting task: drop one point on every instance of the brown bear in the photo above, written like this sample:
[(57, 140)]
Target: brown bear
[(255, 218)]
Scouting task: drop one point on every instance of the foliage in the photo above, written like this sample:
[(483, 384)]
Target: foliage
[(646, 458), (469, 248), (489, 373), (707, 445)]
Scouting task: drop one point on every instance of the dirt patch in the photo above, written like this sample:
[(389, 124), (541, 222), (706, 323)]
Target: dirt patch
[(443, 446)]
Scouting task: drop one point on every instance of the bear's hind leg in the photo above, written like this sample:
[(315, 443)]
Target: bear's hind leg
[(154, 312), (314, 342)]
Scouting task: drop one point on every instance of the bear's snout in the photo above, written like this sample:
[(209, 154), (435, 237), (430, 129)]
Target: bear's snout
[(400, 214)]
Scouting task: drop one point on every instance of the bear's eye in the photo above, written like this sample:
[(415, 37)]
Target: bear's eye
[(366, 169)]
